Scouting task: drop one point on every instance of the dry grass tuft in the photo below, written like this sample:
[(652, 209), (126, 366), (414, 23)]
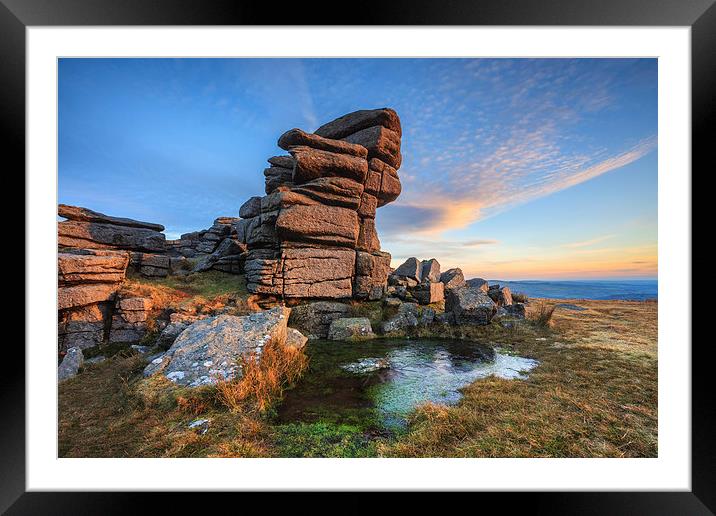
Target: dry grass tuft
[(518, 297), (543, 316), (264, 377)]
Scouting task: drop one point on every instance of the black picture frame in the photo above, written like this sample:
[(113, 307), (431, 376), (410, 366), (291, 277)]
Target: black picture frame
[(700, 15)]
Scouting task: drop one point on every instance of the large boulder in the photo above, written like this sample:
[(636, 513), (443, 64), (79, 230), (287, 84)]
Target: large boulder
[(381, 143), (130, 319), (86, 215), (358, 120), (350, 328), (410, 268), (453, 278), (427, 293), (321, 200), (314, 163), (87, 276), (209, 350), (314, 319), (296, 138), (318, 224), (470, 305), (95, 235), (372, 271), (311, 272), (430, 270)]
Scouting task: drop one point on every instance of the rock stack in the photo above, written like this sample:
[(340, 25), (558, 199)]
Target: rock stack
[(87, 282), (313, 234), (420, 281), (87, 229)]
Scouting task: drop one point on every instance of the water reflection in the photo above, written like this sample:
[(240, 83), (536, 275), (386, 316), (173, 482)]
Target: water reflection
[(389, 378)]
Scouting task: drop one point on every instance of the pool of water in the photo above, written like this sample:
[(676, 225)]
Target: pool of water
[(380, 382)]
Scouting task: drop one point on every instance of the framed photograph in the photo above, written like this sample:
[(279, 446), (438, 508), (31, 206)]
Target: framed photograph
[(445, 249)]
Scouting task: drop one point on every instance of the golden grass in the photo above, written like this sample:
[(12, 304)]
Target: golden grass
[(110, 410), (263, 378), (594, 393)]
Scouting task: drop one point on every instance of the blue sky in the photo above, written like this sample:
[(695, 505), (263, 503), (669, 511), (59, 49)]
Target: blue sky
[(513, 168)]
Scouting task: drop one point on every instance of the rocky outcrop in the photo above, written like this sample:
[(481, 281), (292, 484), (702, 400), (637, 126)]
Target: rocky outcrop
[(418, 280), (87, 282), (313, 235), (209, 350), (219, 247), (87, 229), (130, 319)]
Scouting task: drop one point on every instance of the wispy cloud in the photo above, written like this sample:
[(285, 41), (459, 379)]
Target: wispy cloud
[(587, 243), (512, 176), (476, 243)]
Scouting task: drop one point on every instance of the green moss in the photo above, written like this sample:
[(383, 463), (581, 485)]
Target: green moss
[(322, 439)]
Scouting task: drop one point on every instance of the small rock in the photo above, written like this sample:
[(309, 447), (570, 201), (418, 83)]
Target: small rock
[(453, 278), (71, 364), (295, 339), (350, 328), (201, 426), (366, 365), (96, 360), (428, 292)]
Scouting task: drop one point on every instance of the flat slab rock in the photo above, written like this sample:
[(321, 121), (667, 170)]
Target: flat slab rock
[(208, 350), (86, 215)]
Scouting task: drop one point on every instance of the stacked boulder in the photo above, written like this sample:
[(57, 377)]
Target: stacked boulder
[(87, 229), (313, 234), (418, 280), (88, 280), (217, 247)]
